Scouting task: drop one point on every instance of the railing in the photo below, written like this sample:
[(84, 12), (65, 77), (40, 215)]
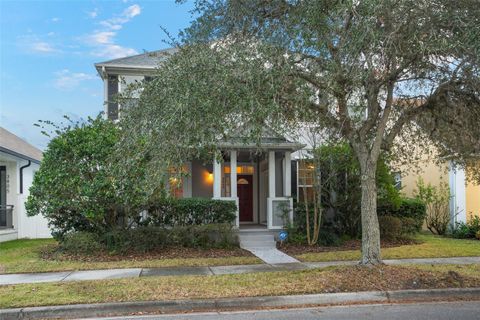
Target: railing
[(280, 212), (6, 216)]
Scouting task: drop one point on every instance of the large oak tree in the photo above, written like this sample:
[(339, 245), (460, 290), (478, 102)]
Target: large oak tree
[(385, 75)]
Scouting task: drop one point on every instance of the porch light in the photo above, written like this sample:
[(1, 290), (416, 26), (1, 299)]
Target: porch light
[(208, 176)]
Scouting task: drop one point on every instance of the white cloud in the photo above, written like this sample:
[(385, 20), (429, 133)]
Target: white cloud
[(103, 40), (116, 22), (114, 51), (93, 14), (42, 47), (132, 11), (101, 37), (34, 43), (67, 80), (55, 19)]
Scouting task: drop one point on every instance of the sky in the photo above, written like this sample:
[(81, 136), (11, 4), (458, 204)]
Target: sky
[(48, 48)]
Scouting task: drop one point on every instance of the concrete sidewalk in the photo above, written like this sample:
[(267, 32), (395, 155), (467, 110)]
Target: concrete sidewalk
[(8, 279)]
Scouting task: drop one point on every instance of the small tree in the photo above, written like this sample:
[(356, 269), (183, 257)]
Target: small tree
[(78, 186), (437, 201)]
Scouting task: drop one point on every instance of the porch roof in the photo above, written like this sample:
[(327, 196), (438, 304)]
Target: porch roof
[(270, 140)]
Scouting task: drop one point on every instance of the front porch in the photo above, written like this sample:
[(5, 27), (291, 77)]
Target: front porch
[(259, 182)]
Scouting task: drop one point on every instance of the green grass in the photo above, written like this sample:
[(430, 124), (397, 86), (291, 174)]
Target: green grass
[(21, 256), (24, 256), (332, 279), (431, 247)]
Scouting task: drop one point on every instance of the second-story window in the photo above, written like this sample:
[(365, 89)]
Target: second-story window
[(112, 90)]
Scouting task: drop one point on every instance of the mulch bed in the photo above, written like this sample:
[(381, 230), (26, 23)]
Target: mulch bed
[(296, 249), (53, 253)]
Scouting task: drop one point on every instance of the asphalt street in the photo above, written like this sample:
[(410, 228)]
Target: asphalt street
[(464, 310)]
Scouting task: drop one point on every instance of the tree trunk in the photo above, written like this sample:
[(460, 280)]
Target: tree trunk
[(370, 226)]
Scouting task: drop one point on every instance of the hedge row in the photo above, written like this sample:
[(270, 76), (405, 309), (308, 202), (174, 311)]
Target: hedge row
[(150, 238), (413, 211), (190, 211)]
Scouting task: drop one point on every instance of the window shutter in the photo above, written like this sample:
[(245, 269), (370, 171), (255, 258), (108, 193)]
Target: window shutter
[(112, 109)]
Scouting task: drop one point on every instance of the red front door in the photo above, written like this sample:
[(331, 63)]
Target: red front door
[(245, 197)]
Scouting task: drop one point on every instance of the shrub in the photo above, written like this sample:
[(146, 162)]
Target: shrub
[(77, 187), (437, 201), (409, 226), (83, 243), (477, 235), (410, 211), (150, 238), (327, 237), (467, 230), (390, 227), (191, 211)]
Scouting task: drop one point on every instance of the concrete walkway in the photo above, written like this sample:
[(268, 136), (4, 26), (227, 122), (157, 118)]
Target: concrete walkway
[(262, 244), (271, 255), (8, 279)]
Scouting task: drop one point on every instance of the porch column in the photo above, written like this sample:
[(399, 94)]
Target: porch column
[(271, 174), (217, 179), (233, 173), (287, 181), (233, 183)]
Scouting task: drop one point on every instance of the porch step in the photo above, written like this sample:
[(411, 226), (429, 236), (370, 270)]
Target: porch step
[(263, 239)]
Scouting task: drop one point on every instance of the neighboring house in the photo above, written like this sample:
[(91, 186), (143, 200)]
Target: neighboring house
[(19, 161), (464, 195), (262, 184)]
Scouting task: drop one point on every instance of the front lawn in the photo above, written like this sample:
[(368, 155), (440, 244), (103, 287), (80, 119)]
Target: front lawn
[(28, 256), (428, 246), (327, 280)]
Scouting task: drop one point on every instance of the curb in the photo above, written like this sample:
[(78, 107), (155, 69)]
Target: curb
[(127, 308)]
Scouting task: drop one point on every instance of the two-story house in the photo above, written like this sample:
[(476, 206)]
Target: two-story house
[(261, 184)]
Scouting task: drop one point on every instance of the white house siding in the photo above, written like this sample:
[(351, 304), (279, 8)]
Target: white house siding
[(24, 226), (29, 227)]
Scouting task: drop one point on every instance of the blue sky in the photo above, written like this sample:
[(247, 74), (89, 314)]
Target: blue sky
[(48, 48)]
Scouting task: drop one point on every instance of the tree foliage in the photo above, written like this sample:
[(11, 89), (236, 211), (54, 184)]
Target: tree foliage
[(386, 75), (79, 186)]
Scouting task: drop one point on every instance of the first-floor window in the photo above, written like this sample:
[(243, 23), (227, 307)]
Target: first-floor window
[(176, 187), (175, 183), (305, 171)]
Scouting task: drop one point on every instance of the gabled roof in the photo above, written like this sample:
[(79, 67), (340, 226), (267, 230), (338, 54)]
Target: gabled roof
[(146, 60), (13, 145)]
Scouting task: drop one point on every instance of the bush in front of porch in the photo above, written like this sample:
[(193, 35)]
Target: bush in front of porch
[(191, 223)]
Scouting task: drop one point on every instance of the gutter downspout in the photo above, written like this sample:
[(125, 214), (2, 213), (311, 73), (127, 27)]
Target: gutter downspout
[(21, 174)]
